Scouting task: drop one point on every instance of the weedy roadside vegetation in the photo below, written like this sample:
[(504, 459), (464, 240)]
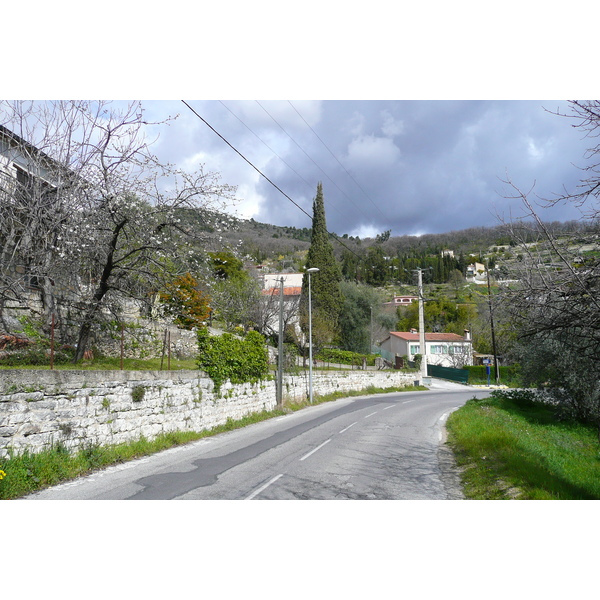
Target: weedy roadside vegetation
[(512, 445)]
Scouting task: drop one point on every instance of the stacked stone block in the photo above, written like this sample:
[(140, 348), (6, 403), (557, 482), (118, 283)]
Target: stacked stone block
[(79, 408)]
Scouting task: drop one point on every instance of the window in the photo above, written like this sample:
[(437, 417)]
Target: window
[(457, 350), (414, 349)]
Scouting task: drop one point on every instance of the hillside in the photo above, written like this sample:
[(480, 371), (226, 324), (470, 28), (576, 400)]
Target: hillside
[(264, 242)]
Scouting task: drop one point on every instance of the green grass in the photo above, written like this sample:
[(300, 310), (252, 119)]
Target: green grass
[(509, 376), (511, 447), (113, 364)]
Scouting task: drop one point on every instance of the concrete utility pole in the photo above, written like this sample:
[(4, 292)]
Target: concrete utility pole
[(422, 343), (279, 391), (496, 369), (371, 333), (310, 348)]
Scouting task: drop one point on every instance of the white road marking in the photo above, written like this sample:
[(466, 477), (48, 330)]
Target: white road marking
[(388, 407), (443, 420), (315, 449), (346, 428), (264, 487), (373, 413), (408, 402)]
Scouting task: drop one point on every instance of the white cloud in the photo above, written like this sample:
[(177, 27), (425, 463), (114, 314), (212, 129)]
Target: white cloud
[(391, 127), (249, 202), (365, 231), (374, 152)]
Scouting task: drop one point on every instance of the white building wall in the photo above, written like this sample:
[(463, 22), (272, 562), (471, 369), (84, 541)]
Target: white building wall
[(445, 354), (271, 280)]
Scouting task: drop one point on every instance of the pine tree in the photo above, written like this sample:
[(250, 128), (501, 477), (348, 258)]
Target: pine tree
[(327, 299)]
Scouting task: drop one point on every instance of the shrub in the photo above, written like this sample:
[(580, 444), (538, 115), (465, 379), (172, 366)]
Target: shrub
[(509, 375), (521, 398), (138, 393), (418, 359), (184, 301), (344, 357), (227, 357)]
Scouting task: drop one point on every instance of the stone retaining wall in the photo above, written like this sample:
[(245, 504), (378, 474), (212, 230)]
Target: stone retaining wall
[(79, 408)]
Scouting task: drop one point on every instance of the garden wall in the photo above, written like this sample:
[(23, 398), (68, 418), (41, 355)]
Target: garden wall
[(39, 408)]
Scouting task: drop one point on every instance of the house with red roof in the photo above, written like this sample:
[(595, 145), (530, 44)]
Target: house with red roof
[(444, 349), (292, 290)]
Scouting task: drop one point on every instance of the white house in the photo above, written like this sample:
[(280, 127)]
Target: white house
[(292, 290), (400, 301), (271, 280), (444, 349), (476, 273)]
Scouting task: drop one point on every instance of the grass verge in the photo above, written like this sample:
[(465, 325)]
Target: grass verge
[(25, 473), (511, 447), (114, 364)]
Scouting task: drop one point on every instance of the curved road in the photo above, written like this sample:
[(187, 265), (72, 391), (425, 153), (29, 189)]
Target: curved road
[(385, 446)]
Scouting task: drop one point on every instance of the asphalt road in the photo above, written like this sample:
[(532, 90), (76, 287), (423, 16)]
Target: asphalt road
[(386, 446)]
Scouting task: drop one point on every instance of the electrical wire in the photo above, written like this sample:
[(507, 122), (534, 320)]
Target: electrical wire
[(309, 158), (336, 158), (333, 235), (271, 149), (240, 154)]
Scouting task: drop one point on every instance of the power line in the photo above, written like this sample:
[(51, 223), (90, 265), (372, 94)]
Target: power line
[(254, 167), (265, 143), (271, 149), (309, 158), (339, 163), (263, 175)]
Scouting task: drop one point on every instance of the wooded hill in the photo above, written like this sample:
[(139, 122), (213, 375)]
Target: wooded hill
[(285, 247)]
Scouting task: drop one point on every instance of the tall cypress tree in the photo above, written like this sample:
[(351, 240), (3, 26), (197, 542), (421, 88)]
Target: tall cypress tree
[(327, 299)]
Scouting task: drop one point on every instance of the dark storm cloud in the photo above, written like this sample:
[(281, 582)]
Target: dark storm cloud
[(408, 166)]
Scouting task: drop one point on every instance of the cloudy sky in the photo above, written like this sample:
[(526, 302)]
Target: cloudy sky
[(409, 166), (356, 122)]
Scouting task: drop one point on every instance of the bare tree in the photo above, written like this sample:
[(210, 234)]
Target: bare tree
[(555, 308), (558, 288), (266, 311), (240, 301), (113, 224)]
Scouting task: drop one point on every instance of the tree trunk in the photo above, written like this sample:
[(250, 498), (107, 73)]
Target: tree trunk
[(83, 340), (103, 287)]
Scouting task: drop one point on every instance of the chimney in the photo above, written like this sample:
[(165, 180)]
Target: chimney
[(467, 335), (413, 330)]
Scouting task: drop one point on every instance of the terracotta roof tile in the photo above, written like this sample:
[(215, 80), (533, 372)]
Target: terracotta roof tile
[(287, 291), (429, 337)]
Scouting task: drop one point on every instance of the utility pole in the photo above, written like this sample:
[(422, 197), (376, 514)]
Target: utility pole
[(371, 333), (497, 371), (280, 350), (310, 348), (422, 344)]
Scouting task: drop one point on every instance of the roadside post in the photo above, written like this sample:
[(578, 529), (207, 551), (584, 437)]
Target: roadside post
[(486, 362)]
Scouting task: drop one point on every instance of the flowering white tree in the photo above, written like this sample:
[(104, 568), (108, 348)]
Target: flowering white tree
[(106, 219)]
